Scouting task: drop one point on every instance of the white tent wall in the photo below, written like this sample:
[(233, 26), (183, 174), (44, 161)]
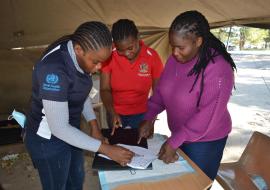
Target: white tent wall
[(26, 23)]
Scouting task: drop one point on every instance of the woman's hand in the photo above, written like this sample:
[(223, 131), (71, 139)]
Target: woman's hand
[(168, 154), (145, 130), (119, 154), (116, 122)]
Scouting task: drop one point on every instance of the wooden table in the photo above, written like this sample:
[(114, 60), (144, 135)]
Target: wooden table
[(195, 180)]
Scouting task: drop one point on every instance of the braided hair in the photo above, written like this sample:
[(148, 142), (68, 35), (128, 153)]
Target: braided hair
[(123, 29), (89, 35), (193, 22)]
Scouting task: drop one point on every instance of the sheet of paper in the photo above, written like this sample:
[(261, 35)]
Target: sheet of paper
[(143, 157), (141, 160)]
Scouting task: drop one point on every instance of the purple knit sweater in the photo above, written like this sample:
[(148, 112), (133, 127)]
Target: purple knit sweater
[(188, 123)]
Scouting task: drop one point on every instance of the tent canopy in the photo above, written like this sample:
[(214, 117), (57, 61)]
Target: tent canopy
[(38, 22)]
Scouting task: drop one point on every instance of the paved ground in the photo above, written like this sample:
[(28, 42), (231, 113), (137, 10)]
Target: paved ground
[(249, 107)]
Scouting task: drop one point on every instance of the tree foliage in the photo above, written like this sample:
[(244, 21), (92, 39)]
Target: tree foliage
[(243, 37)]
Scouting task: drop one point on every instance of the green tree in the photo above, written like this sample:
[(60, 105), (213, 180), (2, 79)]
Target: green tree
[(223, 34), (256, 36), (267, 40), (242, 37), (220, 33)]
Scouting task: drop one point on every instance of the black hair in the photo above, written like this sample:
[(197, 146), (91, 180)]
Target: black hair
[(193, 22), (89, 35), (124, 28)]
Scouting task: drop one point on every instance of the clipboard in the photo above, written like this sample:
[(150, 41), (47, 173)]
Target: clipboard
[(122, 136)]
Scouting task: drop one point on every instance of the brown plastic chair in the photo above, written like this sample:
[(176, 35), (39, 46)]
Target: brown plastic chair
[(255, 160)]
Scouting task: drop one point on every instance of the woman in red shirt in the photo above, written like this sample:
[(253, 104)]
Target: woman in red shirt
[(128, 76)]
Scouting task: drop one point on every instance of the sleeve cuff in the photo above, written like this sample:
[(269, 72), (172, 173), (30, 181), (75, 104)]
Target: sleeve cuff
[(176, 139), (149, 116), (96, 145)]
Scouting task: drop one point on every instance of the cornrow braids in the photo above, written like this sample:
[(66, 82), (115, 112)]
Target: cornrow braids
[(89, 35), (193, 22), (92, 36), (124, 28)]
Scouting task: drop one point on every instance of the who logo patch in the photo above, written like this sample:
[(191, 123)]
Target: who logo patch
[(51, 83), (52, 78)]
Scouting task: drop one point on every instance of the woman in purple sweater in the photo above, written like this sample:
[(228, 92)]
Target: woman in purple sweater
[(194, 89)]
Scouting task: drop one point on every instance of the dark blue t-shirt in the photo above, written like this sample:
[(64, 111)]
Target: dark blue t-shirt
[(56, 78)]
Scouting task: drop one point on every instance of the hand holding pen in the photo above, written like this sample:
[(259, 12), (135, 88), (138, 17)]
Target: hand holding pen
[(116, 123), (145, 130)]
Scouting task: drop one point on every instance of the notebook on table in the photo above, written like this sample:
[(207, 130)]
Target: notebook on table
[(121, 136)]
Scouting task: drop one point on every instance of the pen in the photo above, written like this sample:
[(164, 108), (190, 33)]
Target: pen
[(138, 155)]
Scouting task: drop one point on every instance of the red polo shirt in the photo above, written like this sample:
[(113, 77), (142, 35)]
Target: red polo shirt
[(131, 82)]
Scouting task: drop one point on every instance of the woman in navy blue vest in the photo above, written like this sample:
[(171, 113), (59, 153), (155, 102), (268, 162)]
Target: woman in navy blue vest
[(61, 83)]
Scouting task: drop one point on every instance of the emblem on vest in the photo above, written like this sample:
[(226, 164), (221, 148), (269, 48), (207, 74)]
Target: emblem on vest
[(143, 70), (51, 83)]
